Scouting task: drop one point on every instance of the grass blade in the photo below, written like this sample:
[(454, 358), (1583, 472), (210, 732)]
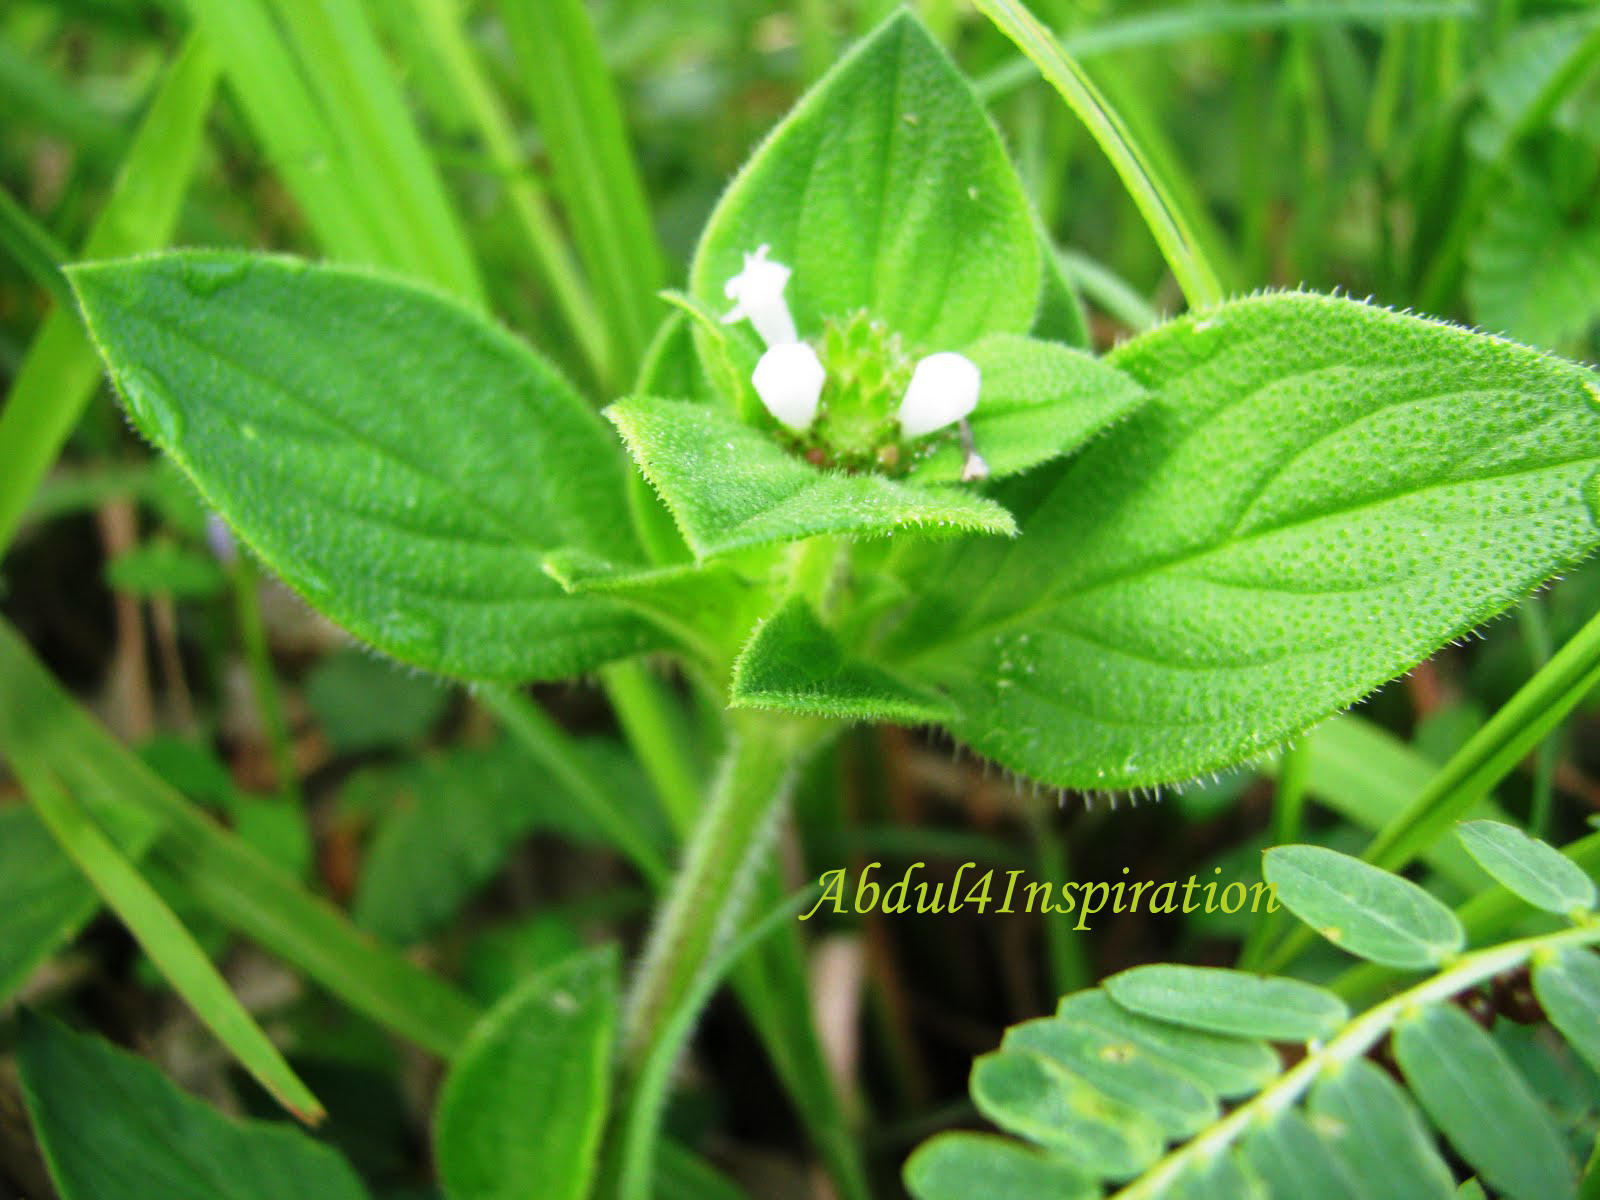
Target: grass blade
[(60, 371), (1166, 221), (595, 175), (218, 871), (164, 938)]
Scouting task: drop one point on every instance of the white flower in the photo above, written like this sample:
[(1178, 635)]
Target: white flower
[(943, 390), (789, 381), (757, 293)]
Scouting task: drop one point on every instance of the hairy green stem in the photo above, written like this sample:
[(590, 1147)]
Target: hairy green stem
[(706, 897)]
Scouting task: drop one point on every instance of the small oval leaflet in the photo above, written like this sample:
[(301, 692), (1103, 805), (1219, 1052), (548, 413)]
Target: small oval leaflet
[(1369, 912), (1532, 869)]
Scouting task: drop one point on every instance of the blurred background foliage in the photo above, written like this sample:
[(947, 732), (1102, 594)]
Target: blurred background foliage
[(1434, 155)]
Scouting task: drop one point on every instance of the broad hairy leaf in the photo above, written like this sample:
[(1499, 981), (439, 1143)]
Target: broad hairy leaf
[(1038, 402), (730, 485), (113, 1127), (1318, 494), (1534, 870), (794, 664), (401, 461), (525, 1102), (1471, 1091), (886, 188), (1230, 1002), (958, 1166), (1372, 913)]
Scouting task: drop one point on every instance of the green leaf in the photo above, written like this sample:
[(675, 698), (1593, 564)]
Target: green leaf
[(215, 869), (793, 663), (45, 898), (1225, 1176), (886, 188), (1534, 266), (364, 703), (161, 568), (1231, 1002), (58, 376), (523, 1107), (1533, 870), (1038, 401), (451, 821), (1471, 1091), (1295, 1160), (1122, 1070), (113, 1127), (1229, 1066), (1378, 1135), (1319, 494), (1369, 912), (709, 607), (403, 463), (959, 1166), (1029, 1095), (730, 485), (1568, 988), (164, 938)]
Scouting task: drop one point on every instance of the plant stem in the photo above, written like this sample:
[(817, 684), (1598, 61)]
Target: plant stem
[(1351, 1043), (658, 739), (707, 896), (244, 580), (1288, 806)]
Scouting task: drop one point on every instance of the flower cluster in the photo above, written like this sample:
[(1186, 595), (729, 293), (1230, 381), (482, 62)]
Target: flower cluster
[(790, 377)]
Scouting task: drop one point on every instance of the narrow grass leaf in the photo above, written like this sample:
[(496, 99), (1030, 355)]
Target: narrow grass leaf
[(215, 869), (59, 373), (580, 117), (1369, 912), (525, 1102), (114, 1127), (1231, 1002), (163, 937), (1534, 870)]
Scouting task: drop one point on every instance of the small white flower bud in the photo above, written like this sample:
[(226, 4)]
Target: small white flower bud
[(757, 292), (789, 381), (943, 389)]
